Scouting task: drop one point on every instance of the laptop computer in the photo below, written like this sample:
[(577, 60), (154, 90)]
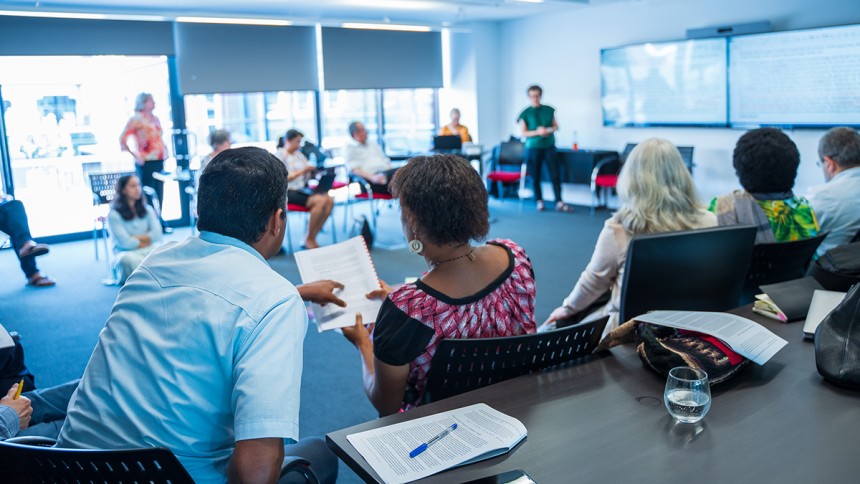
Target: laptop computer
[(325, 181), (447, 143)]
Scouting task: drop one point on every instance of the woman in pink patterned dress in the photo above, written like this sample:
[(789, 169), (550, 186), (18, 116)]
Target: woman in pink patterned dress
[(469, 291)]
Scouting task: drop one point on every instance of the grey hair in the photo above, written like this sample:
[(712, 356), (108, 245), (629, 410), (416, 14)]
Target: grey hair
[(140, 99), (842, 145), (218, 137), (656, 190), (455, 110), (353, 128)]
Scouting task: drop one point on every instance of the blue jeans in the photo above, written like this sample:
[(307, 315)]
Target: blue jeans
[(13, 221)]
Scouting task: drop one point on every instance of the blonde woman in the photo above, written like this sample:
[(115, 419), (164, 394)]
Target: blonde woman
[(657, 195)]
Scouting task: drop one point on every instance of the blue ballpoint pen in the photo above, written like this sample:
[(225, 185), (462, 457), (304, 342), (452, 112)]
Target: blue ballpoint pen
[(421, 448)]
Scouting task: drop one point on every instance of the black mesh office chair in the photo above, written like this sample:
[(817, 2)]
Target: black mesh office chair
[(778, 262), (461, 365), (696, 270)]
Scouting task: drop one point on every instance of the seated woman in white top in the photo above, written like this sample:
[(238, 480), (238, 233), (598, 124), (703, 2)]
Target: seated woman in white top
[(134, 226), (657, 195), (299, 172)]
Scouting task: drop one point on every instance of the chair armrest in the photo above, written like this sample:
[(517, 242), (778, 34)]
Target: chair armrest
[(33, 441)]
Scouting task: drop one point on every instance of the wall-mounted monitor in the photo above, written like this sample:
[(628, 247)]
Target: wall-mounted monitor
[(802, 78), (680, 83)]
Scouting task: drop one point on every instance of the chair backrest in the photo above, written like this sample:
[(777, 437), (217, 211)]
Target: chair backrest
[(460, 365), (25, 463), (695, 270), (687, 156), (511, 153), (103, 185), (780, 261), (627, 150)]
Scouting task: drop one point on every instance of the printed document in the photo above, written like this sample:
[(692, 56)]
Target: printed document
[(743, 335), (5, 338), (482, 433), (348, 263)]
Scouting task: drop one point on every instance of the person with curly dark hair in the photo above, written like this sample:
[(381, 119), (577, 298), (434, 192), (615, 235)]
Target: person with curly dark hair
[(469, 291), (766, 162), (134, 226)]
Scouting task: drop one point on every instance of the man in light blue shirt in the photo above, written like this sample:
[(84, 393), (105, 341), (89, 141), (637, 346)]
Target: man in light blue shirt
[(837, 202), (202, 352)]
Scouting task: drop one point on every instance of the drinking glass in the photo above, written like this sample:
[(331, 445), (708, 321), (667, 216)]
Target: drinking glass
[(687, 395)]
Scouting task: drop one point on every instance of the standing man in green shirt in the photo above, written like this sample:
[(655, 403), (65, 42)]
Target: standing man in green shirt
[(538, 126)]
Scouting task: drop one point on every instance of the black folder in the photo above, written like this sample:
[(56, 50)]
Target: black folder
[(793, 297)]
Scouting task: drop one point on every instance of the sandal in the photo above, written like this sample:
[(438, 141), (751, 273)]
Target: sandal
[(540, 207), (34, 250), (41, 281), (563, 207)]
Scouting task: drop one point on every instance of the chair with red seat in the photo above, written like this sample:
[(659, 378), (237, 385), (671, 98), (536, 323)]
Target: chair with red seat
[(510, 155), (604, 177), (291, 207), (370, 196)]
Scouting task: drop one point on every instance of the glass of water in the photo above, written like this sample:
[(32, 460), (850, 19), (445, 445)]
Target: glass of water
[(687, 395)]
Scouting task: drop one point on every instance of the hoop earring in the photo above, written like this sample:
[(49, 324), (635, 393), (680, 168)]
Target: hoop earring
[(416, 247)]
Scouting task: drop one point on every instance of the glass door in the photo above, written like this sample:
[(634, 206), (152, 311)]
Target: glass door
[(63, 119)]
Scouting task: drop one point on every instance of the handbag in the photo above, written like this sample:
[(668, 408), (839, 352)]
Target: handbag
[(837, 343)]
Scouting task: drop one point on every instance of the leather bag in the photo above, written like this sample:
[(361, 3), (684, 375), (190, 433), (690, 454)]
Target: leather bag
[(837, 343)]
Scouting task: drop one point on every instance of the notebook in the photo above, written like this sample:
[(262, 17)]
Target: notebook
[(786, 301), (823, 302)]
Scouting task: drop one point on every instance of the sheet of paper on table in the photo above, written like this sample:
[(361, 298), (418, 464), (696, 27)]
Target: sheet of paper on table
[(744, 336), (482, 433), (350, 264)]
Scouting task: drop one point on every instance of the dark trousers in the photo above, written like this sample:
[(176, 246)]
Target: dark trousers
[(314, 450), (383, 189), (146, 179), (13, 221), (535, 157)]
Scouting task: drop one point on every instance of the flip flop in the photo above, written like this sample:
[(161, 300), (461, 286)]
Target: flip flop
[(563, 207), (34, 250), (41, 281), (540, 206)]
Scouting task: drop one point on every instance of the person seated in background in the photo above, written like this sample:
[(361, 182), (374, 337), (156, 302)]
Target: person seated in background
[(367, 160), (38, 413), (202, 353), (219, 140), (299, 171), (13, 221), (657, 195), (134, 226), (468, 292), (766, 162), (837, 202), (455, 128)]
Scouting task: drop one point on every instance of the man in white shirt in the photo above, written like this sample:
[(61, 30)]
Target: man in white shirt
[(367, 160), (837, 202), (202, 352)]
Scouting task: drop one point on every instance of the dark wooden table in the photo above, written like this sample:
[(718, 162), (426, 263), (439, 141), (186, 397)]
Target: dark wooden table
[(603, 421)]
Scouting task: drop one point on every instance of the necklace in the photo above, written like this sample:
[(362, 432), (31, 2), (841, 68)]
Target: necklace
[(470, 255)]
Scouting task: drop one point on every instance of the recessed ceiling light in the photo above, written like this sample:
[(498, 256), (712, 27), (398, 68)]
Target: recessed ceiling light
[(239, 21), (369, 26)]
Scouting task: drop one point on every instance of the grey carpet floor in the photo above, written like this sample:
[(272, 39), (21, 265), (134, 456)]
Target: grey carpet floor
[(60, 326)]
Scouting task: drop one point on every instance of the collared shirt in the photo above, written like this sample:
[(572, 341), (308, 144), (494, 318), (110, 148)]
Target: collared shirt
[(10, 423), (203, 348), (368, 157), (837, 206)]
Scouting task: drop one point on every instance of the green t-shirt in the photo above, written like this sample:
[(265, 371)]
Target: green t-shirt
[(536, 117)]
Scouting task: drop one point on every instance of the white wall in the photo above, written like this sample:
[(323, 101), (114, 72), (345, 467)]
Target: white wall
[(460, 89), (561, 52)]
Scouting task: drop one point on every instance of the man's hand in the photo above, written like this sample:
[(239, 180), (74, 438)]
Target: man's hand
[(321, 292), (21, 406)]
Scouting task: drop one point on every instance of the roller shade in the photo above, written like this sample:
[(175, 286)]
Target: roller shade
[(60, 36), (215, 58), (381, 59)]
